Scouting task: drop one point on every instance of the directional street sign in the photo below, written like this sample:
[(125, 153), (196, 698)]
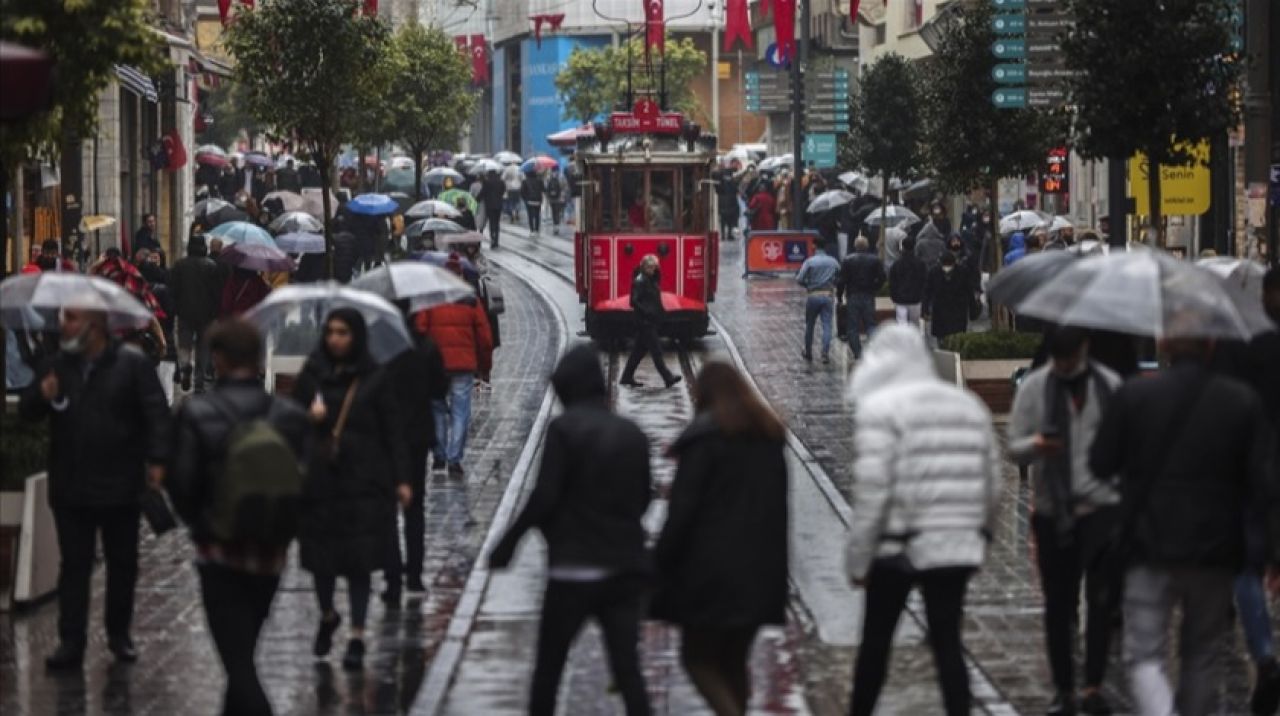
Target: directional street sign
[(1049, 23), (1012, 24), (1009, 97), (1009, 73), (1007, 5), (820, 148), (1038, 48)]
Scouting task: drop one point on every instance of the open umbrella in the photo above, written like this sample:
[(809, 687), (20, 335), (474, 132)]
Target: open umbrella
[(401, 163), (440, 258), (258, 159), (1023, 220), (432, 208), (451, 197), (855, 181), (1058, 223), (507, 158), (296, 221), (892, 215), (829, 200), (242, 232), (439, 174), (466, 237), (1146, 293), (1014, 283), (440, 226), (304, 307), (1245, 273), (313, 202), (282, 201), (484, 166), (283, 160), (256, 257), (31, 302), (97, 222), (424, 284), (373, 205), (211, 155), (213, 212), (301, 243), (540, 163)]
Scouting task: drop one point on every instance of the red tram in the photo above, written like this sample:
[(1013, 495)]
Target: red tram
[(646, 189)]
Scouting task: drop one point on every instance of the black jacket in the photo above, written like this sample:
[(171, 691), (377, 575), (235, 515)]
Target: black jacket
[(493, 193), (419, 378), (907, 279), (861, 273), (646, 297), (195, 283), (722, 556), (594, 483), (946, 301), (531, 189), (727, 198), (344, 256), (348, 503), (1194, 511), (145, 238), (113, 424), (287, 180), (200, 443)]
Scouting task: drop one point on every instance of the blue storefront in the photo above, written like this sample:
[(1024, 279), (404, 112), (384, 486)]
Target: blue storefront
[(539, 103)]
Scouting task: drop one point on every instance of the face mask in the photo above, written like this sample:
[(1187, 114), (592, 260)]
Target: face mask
[(948, 269), (73, 345)]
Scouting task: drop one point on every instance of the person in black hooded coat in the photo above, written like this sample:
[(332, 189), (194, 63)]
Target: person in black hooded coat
[(722, 556), (353, 479), (592, 492)]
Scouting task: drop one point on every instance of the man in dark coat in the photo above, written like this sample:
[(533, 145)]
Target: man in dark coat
[(493, 193), (861, 277), (146, 237), (196, 287), (238, 579), (109, 438), (646, 305), (592, 492), (907, 279), (946, 298), (727, 199), (531, 193), (287, 178), (1192, 450)]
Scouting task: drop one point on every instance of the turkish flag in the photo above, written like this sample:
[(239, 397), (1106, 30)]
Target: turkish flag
[(224, 7), (655, 28), (784, 23), (537, 28), (554, 21), (371, 8), (479, 60), (764, 7), (737, 24), (853, 10), (177, 153)]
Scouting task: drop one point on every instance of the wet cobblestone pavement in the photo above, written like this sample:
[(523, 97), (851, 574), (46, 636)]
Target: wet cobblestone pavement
[(179, 674)]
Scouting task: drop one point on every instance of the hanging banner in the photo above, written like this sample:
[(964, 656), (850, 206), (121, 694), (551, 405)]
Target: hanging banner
[(479, 61), (737, 24), (784, 24), (655, 29)]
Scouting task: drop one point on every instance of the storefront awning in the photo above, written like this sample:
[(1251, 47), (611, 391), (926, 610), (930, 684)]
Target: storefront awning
[(132, 79)]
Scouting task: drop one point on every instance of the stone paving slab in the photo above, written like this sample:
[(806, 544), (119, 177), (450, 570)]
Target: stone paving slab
[(179, 672)]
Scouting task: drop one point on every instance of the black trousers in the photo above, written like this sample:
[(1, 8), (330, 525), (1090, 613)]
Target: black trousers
[(415, 523), (716, 661), (493, 222), (887, 589), (237, 605), (78, 529), (533, 212), (557, 213), (727, 225), (359, 587), (1063, 565), (617, 604), (646, 341)]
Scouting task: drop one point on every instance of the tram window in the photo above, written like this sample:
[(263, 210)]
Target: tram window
[(690, 201), (633, 200), (602, 189), (662, 198)]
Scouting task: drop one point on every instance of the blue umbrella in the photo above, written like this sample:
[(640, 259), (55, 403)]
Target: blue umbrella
[(373, 205), (301, 242), (242, 232)]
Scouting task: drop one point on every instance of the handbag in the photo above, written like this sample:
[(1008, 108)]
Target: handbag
[(492, 291), (155, 509), (334, 440)]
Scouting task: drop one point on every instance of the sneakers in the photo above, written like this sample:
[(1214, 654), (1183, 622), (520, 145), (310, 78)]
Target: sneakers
[(631, 383), (184, 378), (123, 649), (1266, 688), (353, 660), (324, 637), (807, 356), (826, 358), (437, 463), (65, 658), (455, 469), (672, 380), (1094, 703), (414, 584), (1063, 704)]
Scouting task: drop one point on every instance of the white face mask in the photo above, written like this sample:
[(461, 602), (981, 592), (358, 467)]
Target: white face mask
[(73, 345), (947, 269)]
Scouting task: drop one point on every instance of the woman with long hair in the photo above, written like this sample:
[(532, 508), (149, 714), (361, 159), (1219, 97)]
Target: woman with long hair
[(357, 467), (722, 556)]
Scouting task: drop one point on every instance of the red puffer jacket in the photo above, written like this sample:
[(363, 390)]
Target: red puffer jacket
[(461, 332)]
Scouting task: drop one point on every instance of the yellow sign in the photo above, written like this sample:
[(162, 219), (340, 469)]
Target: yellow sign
[(1183, 190), (723, 71)]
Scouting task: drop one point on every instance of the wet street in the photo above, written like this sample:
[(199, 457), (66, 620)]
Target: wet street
[(466, 646)]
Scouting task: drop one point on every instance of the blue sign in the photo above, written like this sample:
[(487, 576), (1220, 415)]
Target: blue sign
[(1015, 24), (540, 104), (1009, 74), (820, 149), (1009, 98), (796, 251), (773, 57), (1009, 49), (1006, 5)]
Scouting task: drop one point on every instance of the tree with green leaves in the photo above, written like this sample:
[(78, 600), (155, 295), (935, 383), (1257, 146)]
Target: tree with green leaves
[(594, 81), (1155, 76), (969, 142), (226, 106), (887, 128), (305, 66), (430, 85), (85, 40)]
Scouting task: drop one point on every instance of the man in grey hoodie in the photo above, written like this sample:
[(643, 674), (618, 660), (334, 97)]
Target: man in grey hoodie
[(1056, 414)]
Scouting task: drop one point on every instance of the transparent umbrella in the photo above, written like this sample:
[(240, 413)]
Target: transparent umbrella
[(242, 232), (829, 200), (31, 302), (296, 221), (301, 243), (1146, 293), (1243, 272), (1014, 283), (1023, 220), (432, 208), (256, 257), (892, 215), (423, 283), (284, 201), (508, 158), (301, 309), (439, 174)]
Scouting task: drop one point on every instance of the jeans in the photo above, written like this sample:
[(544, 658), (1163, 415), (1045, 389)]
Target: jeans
[(646, 341), (1062, 569), (78, 529), (907, 314), (191, 339), (716, 661), (1255, 619), (493, 221), (818, 307), (359, 587), (617, 605), (862, 319), (1150, 596), (513, 204), (453, 417), (415, 527), (533, 212), (887, 589), (236, 605)]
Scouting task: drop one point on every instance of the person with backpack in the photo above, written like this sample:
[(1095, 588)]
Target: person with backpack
[(357, 465), (235, 480), (531, 191), (556, 197)]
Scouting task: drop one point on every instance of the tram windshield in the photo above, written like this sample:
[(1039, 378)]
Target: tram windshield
[(648, 199)]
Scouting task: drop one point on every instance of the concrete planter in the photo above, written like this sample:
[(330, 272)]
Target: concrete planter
[(10, 533), (29, 554), (992, 381)]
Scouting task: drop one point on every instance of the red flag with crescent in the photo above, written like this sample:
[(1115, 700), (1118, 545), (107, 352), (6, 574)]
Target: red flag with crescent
[(224, 7), (737, 24), (655, 27), (853, 10), (479, 60), (371, 8), (460, 41), (784, 23)]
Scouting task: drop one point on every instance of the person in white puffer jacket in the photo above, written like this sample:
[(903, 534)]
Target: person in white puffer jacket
[(925, 493)]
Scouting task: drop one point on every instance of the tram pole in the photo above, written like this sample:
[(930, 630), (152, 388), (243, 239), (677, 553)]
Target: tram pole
[(798, 61)]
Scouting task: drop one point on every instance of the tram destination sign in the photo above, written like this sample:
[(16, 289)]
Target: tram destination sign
[(646, 118)]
